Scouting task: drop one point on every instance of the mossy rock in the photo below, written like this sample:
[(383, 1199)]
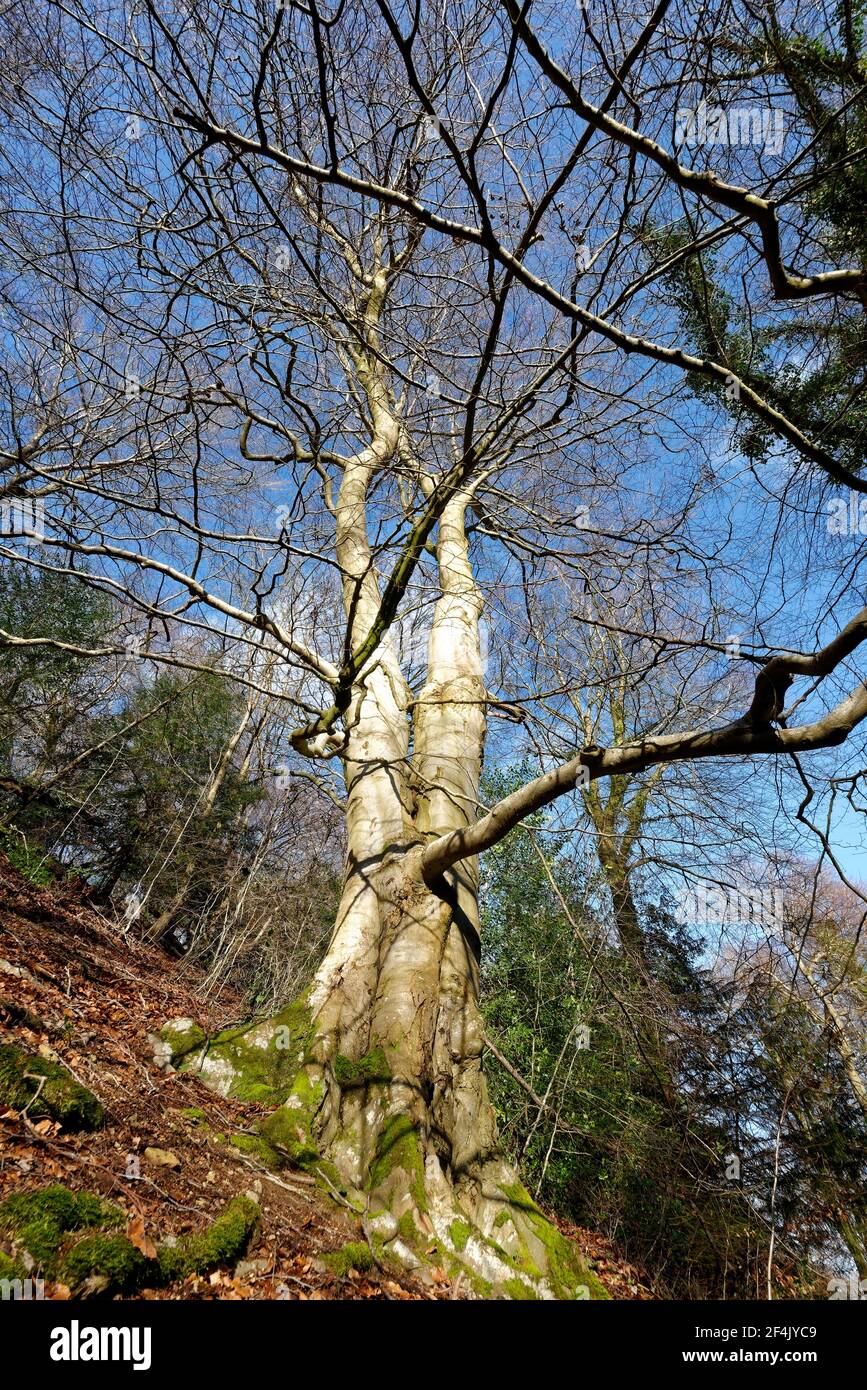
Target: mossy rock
[(39, 1221), (182, 1036), (353, 1255), (251, 1061), (109, 1261), (47, 1090), (221, 1243), (42, 1223)]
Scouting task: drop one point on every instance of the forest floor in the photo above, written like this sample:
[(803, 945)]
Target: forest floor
[(77, 990)]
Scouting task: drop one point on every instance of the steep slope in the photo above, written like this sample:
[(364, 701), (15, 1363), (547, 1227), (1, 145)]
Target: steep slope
[(169, 1154)]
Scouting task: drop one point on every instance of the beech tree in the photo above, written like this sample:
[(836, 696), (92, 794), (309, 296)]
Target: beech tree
[(342, 338)]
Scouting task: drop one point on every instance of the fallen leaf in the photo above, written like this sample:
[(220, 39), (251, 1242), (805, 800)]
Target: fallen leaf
[(136, 1233)]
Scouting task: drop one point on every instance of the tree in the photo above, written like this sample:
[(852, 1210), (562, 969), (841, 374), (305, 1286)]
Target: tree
[(389, 268), (50, 698), (175, 802)]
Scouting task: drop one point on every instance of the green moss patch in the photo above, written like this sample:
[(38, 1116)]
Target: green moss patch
[(11, 1269), (361, 1071), (193, 1113), (353, 1255), (109, 1258), (568, 1272), (46, 1090), (399, 1146), (290, 1129), (47, 1224), (516, 1288), (256, 1147), (221, 1243), (251, 1061), (459, 1233), (39, 1221)]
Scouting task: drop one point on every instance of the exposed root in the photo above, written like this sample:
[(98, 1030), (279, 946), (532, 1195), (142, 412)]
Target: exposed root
[(371, 1138)]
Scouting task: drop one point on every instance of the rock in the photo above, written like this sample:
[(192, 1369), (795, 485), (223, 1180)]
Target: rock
[(164, 1158), (405, 1254), (248, 1269), (162, 1051), (181, 1035), (383, 1224), (46, 1090)]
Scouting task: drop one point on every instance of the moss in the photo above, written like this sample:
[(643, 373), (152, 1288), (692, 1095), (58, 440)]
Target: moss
[(258, 1091), (459, 1233), (399, 1146), (353, 1255), (193, 1113), (256, 1147), (261, 1059), (516, 1288), (407, 1229), (287, 1131), (47, 1090), (362, 1071), (41, 1221), (11, 1269), (38, 1221), (290, 1129), (518, 1196), (183, 1040), (568, 1271), (109, 1257), (306, 1092), (221, 1243)]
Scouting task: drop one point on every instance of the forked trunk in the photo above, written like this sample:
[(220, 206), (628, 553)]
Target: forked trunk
[(379, 1066)]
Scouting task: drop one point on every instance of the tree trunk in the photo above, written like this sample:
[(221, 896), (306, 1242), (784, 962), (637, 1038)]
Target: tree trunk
[(159, 929), (379, 1065)]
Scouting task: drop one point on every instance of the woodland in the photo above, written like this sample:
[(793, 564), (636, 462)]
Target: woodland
[(433, 527)]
